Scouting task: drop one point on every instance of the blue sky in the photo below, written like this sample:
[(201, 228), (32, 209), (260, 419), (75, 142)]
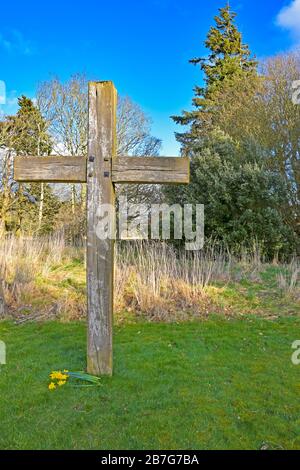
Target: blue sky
[(142, 45)]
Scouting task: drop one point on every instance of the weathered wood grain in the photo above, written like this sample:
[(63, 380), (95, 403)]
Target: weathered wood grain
[(50, 169), (101, 170), (165, 170), (100, 252), (124, 170)]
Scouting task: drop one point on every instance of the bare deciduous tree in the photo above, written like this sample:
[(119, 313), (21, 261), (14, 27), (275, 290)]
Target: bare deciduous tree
[(65, 107), (262, 111), (134, 138)]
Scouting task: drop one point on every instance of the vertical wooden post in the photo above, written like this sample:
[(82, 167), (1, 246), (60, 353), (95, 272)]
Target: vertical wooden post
[(100, 253)]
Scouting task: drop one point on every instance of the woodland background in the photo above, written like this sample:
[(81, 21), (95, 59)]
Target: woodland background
[(242, 136)]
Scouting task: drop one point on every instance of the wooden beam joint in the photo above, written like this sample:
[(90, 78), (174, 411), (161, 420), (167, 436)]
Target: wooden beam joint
[(158, 170)]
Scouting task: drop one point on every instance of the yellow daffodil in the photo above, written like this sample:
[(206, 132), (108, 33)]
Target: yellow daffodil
[(57, 375), (59, 378)]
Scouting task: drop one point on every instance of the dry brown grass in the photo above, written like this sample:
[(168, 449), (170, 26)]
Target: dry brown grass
[(45, 278), (288, 279), (152, 279), (26, 265)]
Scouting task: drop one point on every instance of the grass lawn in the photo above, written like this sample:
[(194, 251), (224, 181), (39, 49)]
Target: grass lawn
[(218, 384)]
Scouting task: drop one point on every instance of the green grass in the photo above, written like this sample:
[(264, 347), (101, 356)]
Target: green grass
[(217, 384), (260, 296)]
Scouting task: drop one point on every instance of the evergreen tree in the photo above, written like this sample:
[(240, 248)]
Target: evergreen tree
[(35, 205), (245, 198), (28, 130), (228, 61)]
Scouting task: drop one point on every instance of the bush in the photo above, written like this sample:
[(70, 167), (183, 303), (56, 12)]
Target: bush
[(244, 201)]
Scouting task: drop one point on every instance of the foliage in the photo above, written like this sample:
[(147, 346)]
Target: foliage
[(263, 112), (241, 197), (28, 131), (252, 190), (58, 124)]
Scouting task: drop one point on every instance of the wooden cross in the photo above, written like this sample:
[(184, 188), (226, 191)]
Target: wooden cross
[(101, 170)]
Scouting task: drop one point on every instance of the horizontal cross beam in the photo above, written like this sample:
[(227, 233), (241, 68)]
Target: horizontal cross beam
[(50, 169), (150, 170), (145, 170)]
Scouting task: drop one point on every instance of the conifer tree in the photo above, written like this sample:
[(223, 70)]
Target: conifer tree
[(35, 205), (228, 61)]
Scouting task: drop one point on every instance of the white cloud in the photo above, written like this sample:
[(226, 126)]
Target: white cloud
[(15, 42), (289, 18)]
